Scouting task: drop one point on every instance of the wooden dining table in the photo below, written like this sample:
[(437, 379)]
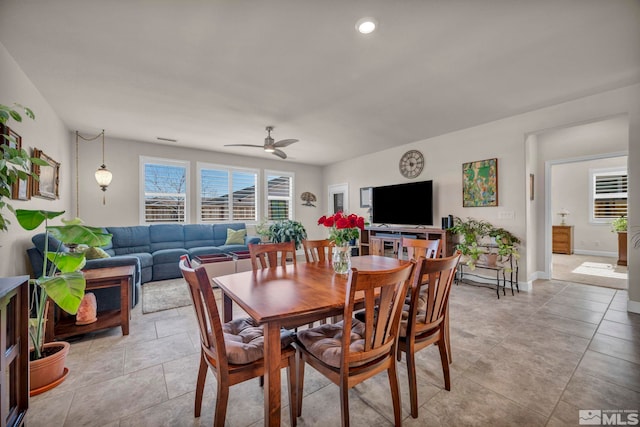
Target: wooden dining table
[(288, 297)]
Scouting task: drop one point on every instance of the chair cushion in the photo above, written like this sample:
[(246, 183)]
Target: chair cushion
[(325, 341), (244, 340), (235, 237), (422, 310)]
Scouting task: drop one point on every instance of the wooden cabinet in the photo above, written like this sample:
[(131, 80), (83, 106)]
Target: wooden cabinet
[(622, 248), (14, 357), (562, 239), (386, 240)]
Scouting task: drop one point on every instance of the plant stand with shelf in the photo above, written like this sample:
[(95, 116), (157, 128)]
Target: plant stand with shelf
[(61, 325), (498, 268)]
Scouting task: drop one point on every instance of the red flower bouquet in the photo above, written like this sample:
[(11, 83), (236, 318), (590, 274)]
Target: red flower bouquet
[(344, 228)]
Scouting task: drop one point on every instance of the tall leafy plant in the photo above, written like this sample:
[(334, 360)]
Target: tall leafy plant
[(14, 162), (61, 278)]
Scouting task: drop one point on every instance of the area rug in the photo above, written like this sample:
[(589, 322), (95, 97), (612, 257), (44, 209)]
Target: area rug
[(164, 295)]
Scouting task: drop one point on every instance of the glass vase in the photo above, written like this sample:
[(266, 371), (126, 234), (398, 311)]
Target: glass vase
[(342, 259)]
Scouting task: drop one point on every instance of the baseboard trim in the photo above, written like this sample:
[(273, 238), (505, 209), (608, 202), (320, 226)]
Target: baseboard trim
[(596, 253), (633, 306)]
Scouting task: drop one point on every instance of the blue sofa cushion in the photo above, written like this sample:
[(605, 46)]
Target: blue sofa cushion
[(198, 235), (204, 250), (164, 256), (232, 248), (146, 259), (130, 240), (39, 240), (220, 232), (166, 236)]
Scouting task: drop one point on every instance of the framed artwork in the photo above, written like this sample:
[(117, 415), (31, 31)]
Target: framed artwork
[(21, 189), (338, 198), (47, 186), (480, 183), (365, 197)]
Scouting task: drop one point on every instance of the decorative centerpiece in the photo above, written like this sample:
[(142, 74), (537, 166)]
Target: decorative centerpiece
[(344, 229)]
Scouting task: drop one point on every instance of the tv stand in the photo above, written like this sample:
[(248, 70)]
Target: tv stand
[(374, 238)]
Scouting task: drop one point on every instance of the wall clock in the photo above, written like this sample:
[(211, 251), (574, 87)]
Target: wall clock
[(411, 164)]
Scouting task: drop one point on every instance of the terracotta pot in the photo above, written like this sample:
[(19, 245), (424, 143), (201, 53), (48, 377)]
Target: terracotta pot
[(48, 372), (489, 259)]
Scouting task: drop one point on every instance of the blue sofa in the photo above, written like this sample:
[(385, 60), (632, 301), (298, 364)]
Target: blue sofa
[(154, 249)]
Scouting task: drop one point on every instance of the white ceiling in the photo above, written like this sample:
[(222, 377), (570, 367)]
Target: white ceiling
[(209, 73)]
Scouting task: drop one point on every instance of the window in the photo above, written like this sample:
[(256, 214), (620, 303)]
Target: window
[(165, 188), (279, 195), (216, 183), (608, 194)]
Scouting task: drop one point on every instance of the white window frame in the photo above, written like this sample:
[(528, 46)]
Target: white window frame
[(290, 199), (593, 173), (230, 169), (144, 160)]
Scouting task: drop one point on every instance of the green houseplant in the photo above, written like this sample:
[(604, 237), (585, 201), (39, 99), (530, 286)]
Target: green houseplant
[(286, 231), (619, 225), (14, 161), (480, 237), (61, 280)]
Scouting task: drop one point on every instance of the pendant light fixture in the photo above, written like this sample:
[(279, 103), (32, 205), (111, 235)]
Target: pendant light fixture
[(103, 175)]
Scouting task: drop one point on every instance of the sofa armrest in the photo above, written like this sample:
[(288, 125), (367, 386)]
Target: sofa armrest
[(252, 239)]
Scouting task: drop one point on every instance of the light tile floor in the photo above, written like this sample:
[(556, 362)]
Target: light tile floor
[(532, 359)]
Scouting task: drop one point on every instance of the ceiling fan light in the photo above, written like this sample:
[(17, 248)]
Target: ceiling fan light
[(269, 149)]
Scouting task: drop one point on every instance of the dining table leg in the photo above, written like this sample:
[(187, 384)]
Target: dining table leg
[(227, 308), (272, 356)]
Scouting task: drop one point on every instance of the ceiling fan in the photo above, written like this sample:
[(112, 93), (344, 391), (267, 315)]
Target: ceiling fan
[(270, 146)]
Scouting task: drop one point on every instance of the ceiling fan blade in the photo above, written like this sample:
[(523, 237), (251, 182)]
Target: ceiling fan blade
[(280, 153), (284, 142), (243, 145)]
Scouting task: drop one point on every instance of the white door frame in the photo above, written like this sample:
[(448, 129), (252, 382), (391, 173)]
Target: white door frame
[(338, 189)]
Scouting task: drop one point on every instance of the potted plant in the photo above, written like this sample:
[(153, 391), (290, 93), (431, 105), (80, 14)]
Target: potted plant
[(619, 225), (287, 230), (480, 238), (264, 231), (60, 280), (14, 163)]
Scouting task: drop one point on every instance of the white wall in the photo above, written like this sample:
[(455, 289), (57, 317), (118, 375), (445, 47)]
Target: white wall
[(46, 133), (504, 139), (122, 157), (570, 190)]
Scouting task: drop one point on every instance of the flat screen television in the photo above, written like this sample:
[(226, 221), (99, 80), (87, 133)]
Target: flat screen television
[(403, 204)]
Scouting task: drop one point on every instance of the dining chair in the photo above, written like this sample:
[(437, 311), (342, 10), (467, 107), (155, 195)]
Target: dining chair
[(419, 247), (351, 351), (428, 249), (233, 351), (318, 250), (265, 255), (423, 321)]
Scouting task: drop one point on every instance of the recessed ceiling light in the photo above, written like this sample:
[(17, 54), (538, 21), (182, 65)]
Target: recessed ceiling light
[(366, 25)]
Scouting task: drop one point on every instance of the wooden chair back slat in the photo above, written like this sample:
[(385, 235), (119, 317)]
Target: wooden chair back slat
[(382, 289), (207, 314), (265, 255), (318, 250), (436, 275), (418, 247)]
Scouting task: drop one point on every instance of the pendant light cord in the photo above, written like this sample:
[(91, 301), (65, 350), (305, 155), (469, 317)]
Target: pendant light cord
[(78, 136)]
